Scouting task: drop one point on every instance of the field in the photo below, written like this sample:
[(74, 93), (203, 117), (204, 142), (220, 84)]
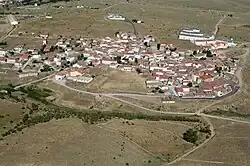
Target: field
[(12, 112), (85, 102), (30, 42), (159, 138), (82, 144), (230, 146), (115, 81), (156, 103), (164, 23)]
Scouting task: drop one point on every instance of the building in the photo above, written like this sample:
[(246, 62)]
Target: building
[(116, 17), (81, 79), (60, 75), (22, 75), (12, 20), (193, 34)]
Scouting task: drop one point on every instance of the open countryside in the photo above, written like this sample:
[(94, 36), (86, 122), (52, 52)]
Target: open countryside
[(124, 82)]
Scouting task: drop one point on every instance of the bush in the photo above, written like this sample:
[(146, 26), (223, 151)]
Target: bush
[(190, 136)]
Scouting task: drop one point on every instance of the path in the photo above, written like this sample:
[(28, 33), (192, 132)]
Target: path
[(217, 25), (35, 81), (8, 33)]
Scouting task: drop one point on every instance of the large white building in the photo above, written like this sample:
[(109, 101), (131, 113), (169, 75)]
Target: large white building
[(193, 34), (218, 43), (12, 19)]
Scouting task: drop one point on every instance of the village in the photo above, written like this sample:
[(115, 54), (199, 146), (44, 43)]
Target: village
[(174, 72)]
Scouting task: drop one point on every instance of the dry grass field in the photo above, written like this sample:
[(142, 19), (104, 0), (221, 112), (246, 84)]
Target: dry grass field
[(229, 147), (114, 81), (160, 138), (84, 102), (71, 142), (237, 33), (157, 104), (30, 42), (11, 112), (162, 18)]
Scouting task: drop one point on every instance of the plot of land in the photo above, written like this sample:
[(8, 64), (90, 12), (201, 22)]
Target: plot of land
[(230, 146), (160, 138), (11, 112), (84, 102), (115, 81), (156, 103), (71, 142)]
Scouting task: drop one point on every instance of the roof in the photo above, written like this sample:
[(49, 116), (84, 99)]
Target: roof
[(206, 76), (178, 89)]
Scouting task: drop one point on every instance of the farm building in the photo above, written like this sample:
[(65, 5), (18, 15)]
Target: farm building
[(12, 19), (193, 34)]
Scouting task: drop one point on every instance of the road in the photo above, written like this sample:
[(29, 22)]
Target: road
[(112, 96), (26, 63), (35, 81), (217, 25), (9, 33)]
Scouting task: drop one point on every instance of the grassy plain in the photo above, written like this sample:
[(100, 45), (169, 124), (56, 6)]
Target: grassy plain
[(10, 113), (156, 103), (159, 138), (85, 102), (163, 19), (228, 147), (72, 141)]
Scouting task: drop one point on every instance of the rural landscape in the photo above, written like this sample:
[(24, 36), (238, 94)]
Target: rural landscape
[(124, 82)]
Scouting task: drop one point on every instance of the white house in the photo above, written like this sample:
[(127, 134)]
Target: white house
[(22, 75), (12, 20), (2, 53), (60, 75), (81, 79), (36, 56)]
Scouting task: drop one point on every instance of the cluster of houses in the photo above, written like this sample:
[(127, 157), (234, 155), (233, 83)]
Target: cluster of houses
[(195, 36), (201, 73)]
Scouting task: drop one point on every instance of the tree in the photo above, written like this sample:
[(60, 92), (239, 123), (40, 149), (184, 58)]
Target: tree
[(195, 52), (138, 70), (209, 54), (25, 117), (190, 136), (118, 59), (190, 84), (34, 106), (161, 91), (46, 68), (136, 60)]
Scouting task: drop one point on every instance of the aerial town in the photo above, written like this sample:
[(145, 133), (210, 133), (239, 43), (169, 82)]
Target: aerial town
[(174, 72), (124, 82)]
